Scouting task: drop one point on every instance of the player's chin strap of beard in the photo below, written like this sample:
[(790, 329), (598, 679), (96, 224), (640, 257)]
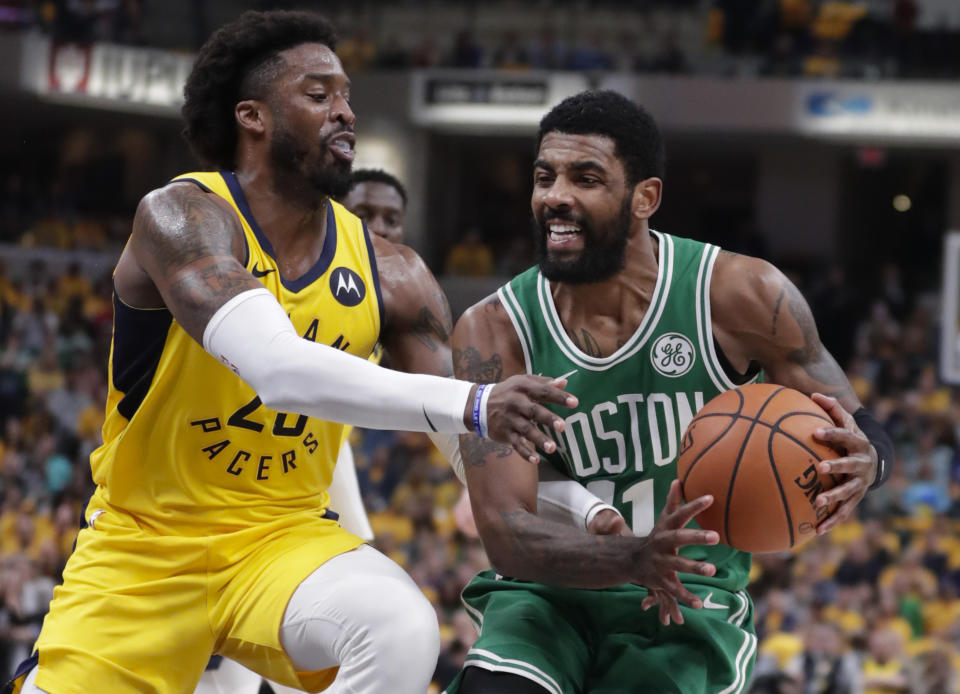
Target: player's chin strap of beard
[(877, 436)]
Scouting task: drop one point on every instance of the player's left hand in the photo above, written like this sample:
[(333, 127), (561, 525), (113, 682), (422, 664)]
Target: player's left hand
[(857, 468)]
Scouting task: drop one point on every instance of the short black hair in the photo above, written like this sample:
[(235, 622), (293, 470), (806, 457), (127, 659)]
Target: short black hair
[(635, 134), (378, 176), (238, 62)]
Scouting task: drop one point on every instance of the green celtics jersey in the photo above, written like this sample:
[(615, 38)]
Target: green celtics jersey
[(622, 441)]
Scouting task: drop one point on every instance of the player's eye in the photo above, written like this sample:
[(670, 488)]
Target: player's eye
[(318, 97)]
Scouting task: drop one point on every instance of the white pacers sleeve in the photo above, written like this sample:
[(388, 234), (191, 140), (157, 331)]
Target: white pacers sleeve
[(559, 498), (253, 336)]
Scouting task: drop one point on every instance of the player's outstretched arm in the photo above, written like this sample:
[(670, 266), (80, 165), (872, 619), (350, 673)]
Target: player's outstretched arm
[(416, 335), (185, 254), (760, 316), (503, 493)]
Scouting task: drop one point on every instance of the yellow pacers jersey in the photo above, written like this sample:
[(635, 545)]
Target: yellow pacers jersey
[(188, 446)]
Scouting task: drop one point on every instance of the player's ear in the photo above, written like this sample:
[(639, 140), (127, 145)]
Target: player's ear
[(251, 116), (646, 197)]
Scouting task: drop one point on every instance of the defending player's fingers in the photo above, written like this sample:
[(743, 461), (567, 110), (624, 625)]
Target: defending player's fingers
[(538, 388), (524, 448), (541, 415)]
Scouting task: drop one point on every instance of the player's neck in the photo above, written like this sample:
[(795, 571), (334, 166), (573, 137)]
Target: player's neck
[(622, 299), (292, 216)]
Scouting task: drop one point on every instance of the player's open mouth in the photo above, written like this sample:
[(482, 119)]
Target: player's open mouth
[(342, 146), (560, 234)]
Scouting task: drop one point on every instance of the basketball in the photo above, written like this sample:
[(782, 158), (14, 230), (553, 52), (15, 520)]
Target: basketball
[(753, 449)]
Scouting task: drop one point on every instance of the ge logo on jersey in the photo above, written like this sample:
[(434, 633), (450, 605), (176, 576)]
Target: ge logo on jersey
[(347, 287), (672, 354)]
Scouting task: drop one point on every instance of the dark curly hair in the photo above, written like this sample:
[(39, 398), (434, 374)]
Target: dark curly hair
[(635, 134), (238, 62), (378, 176)]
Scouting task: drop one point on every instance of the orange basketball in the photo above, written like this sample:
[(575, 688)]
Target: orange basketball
[(753, 449)]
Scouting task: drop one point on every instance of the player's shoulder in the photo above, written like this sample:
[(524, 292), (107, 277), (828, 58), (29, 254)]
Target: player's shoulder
[(183, 198), (397, 263), (739, 277), (488, 317), (743, 287)]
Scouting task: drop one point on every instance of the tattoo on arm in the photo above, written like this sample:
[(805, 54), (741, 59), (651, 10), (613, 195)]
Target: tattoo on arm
[(429, 329), (190, 248), (818, 364), (468, 364), (475, 450), (776, 311)]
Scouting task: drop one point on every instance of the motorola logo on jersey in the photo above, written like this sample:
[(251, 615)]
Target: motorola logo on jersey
[(347, 287), (672, 355)]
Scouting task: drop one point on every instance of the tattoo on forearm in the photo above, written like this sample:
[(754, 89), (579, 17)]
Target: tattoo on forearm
[(475, 450), (542, 547), (468, 364), (776, 311), (812, 356), (587, 343)]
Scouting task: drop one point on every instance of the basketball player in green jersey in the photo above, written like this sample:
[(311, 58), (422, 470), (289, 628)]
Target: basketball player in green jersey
[(647, 328)]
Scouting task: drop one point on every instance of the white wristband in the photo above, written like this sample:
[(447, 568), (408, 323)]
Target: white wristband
[(483, 411), (592, 513)]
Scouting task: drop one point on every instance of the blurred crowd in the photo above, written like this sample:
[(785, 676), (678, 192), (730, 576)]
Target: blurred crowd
[(872, 607), (814, 38)]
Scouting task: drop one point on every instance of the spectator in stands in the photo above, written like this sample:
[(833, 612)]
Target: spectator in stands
[(548, 51), (466, 52), (827, 665), (510, 54), (471, 257), (884, 670)]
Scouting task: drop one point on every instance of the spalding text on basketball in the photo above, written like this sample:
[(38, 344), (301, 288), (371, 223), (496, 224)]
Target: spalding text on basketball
[(809, 482)]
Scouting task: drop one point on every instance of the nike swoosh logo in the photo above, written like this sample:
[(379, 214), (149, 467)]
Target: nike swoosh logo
[(261, 273), (711, 605), (427, 417)]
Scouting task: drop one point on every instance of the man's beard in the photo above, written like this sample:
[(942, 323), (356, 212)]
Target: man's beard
[(603, 254), (292, 161)]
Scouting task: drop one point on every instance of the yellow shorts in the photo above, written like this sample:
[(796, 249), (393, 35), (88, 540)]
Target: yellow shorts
[(142, 613)]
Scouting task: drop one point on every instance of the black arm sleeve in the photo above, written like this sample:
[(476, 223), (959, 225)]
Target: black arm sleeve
[(878, 436)]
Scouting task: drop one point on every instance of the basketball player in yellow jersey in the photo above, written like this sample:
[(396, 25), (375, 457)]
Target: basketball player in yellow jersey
[(208, 531), (380, 201)]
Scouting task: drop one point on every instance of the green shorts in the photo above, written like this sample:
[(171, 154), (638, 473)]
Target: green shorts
[(599, 641)]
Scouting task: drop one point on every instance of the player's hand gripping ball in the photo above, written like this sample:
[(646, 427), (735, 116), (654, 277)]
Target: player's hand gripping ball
[(753, 449)]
